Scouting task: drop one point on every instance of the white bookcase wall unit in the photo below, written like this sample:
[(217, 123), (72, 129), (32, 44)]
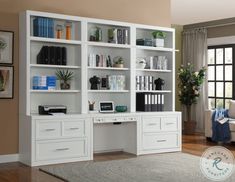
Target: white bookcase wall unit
[(69, 138)]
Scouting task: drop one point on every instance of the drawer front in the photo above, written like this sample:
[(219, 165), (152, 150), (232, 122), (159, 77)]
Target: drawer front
[(60, 149), (169, 124), (160, 141), (74, 128), (48, 129), (151, 124)]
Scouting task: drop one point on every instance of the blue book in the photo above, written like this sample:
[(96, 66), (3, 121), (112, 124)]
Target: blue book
[(35, 27), (46, 27), (40, 27), (50, 28), (51, 82)]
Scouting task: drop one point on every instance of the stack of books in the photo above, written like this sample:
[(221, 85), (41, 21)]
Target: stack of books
[(43, 27), (99, 60), (149, 102), (144, 83), (118, 36), (52, 55)]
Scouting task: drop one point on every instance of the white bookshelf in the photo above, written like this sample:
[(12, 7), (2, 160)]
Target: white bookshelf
[(78, 49)]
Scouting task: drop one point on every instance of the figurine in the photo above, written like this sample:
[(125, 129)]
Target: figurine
[(95, 81), (159, 84)]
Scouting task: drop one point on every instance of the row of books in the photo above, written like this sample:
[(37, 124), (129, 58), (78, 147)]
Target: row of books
[(144, 83), (52, 55), (149, 102), (43, 27), (118, 36), (44, 82), (99, 60)]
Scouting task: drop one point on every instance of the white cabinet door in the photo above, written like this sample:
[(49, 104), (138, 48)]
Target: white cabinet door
[(74, 128), (48, 129), (169, 123), (151, 124)]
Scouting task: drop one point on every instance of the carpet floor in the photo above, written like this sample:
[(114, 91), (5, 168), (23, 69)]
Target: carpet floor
[(168, 167)]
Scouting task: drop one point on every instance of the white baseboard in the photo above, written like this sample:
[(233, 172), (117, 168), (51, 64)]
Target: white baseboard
[(9, 158)]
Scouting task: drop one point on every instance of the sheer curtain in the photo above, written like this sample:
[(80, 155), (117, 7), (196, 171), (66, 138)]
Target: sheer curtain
[(195, 52)]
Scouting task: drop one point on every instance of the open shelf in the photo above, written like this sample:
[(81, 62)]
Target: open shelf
[(104, 44), (154, 91), (109, 68), (54, 91), (154, 70), (54, 40), (154, 48), (54, 66), (108, 91)]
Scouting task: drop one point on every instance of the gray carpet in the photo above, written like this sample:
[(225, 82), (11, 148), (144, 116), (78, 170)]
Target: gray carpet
[(169, 167)]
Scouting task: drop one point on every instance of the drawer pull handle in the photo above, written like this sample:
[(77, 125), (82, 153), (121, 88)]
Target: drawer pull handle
[(169, 123), (62, 149), (73, 128), (152, 124), (50, 129), (161, 141)]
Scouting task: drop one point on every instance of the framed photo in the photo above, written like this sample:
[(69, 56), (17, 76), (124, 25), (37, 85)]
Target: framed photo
[(6, 47), (6, 82)]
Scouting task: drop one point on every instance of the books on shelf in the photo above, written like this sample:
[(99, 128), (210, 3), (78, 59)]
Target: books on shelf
[(149, 102), (99, 60), (43, 27), (52, 55), (118, 36), (44, 82), (144, 83)]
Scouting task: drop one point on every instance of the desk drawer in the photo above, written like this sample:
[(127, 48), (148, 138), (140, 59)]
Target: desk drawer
[(160, 141), (60, 149), (151, 124), (48, 129), (169, 124), (74, 128)]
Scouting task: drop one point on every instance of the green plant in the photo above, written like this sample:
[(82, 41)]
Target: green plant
[(64, 75), (189, 86), (119, 60), (3, 44), (159, 34)]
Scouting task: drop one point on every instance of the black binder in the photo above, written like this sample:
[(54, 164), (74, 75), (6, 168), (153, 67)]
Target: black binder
[(64, 56)]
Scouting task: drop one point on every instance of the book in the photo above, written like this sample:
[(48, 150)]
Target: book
[(119, 36), (50, 28), (64, 56)]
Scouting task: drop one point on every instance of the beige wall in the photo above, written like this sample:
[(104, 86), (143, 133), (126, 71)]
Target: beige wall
[(153, 12), (178, 61)]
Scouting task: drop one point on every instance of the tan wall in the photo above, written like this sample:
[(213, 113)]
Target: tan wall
[(222, 31), (152, 12), (178, 61)]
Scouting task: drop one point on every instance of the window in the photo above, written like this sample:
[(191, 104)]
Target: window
[(221, 81)]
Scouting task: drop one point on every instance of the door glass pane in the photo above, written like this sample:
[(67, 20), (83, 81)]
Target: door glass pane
[(228, 73), (211, 56), (228, 89), (227, 103), (211, 89), (219, 89), (219, 56), (219, 103), (211, 73), (219, 73), (211, 103), (228, 55)]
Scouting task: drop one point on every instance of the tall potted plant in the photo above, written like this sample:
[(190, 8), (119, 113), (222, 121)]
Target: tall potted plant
[(190, 82), (65, 77)]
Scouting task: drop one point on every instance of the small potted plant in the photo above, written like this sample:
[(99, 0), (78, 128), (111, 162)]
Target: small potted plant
[(65, 77), (159, 37), (3, 45), (118, 62)]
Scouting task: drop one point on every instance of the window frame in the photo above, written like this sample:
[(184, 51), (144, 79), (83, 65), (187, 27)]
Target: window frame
[(222, 81)]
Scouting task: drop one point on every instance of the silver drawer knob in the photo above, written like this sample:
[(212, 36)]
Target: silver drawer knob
[(62, 149)]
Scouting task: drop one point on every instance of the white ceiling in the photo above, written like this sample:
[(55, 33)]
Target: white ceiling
[(185, 12)]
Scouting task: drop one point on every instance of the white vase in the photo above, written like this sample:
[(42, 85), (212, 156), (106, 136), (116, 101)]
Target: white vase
[(159, 42)]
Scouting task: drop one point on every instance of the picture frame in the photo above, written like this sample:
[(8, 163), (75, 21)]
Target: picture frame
[(6, 47), (6, 82), (106, 107)]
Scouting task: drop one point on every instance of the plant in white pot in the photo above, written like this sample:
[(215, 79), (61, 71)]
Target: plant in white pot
[(65, 78), (189, 91), (159, 37)]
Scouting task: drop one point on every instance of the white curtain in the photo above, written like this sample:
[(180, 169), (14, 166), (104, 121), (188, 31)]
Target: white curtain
[(195, 52)]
